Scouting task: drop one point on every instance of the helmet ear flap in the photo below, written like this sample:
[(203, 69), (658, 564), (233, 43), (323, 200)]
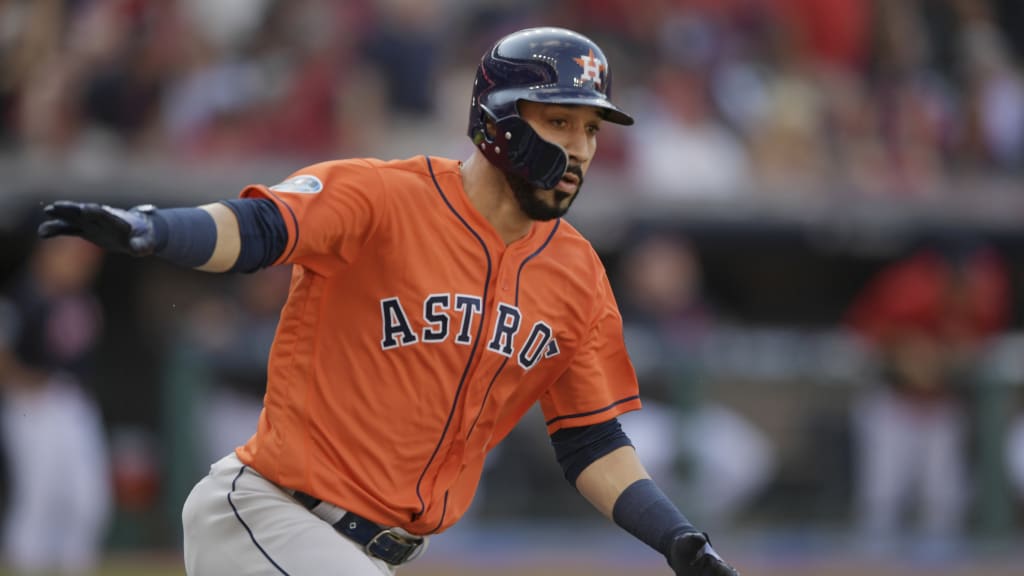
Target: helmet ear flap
[(483, 125), (490, 127)]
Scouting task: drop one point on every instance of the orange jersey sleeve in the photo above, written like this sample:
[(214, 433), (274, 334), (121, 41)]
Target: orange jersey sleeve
[(327, 223), (600, 382)]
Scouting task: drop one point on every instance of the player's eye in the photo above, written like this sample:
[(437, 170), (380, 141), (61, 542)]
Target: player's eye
[(593, 128), (559, 122)]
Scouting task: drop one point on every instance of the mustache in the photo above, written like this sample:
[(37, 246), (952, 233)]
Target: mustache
[(575, 170)]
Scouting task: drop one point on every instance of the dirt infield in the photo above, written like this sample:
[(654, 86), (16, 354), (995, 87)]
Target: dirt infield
[(816, 570), (170, 565)]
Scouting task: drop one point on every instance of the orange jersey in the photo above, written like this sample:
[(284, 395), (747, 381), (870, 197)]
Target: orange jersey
[(413, 340)]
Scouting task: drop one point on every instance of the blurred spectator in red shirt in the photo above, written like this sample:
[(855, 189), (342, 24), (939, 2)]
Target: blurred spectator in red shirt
[(926, 317), (835, 32)]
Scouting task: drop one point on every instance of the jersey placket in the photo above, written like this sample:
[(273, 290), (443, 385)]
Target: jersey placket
[(443, 466), (486, 367), (492, 362)]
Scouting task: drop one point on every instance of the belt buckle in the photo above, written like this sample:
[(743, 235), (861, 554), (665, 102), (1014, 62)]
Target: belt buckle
[(415, 548)]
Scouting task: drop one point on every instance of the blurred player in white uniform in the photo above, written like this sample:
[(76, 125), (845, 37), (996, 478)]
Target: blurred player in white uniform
[(57, 499)]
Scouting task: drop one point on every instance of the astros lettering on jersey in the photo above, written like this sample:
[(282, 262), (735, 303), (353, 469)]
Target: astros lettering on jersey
[(357, 419)]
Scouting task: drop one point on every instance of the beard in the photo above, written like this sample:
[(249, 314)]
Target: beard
[(537, 208)]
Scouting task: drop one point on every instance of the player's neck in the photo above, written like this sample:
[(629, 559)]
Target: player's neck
[(490, 194)]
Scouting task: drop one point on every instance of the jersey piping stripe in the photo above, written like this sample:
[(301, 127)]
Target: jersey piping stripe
[(295, 222), (592, 412), (246, 526), (487, 394), (519, 275), (444, 512), (472, 352)]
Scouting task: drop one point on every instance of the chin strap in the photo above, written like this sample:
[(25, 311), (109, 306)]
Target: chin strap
[(517, 149)]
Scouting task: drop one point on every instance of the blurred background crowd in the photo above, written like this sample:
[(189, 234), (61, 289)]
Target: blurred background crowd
[(789, 96), (813, 233)]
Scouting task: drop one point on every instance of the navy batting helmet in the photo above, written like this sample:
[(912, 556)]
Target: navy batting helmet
[(547, 65)]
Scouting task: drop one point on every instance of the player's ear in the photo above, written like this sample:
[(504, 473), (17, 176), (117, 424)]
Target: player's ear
[(492, 129)]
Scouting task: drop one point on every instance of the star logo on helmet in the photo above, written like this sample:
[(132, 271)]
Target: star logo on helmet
[(592, 68)]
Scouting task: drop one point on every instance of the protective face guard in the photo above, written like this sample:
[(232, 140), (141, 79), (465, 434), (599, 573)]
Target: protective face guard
[(517, 149)]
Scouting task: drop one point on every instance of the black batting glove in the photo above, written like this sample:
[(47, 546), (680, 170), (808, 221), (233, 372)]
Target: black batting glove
[(691, 554), (123, 231)]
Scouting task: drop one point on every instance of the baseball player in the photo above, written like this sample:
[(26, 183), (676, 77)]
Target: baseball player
[(432, 303)]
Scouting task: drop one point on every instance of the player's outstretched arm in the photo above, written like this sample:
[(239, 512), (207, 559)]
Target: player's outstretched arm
[(207, 238), (619, 487)]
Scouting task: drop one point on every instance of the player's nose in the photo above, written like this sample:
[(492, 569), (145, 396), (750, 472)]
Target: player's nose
[(578, 147)]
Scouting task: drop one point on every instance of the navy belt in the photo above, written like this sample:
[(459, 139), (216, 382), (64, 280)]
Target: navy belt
[(377, 541)]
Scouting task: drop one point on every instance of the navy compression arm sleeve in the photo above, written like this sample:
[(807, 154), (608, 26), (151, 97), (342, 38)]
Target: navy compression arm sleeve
[(577, 448), (184, 236), (263, 233), (644, 511), (188, 236)]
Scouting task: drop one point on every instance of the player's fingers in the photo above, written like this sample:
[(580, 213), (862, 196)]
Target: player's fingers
[(52, 228), (65, 210), (105, 216)]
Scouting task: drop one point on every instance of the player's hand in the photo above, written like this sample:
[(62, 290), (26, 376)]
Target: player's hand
[(113, 229), (691, 554)]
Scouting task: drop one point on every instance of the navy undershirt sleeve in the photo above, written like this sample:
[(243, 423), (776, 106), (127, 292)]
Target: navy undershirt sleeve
[(262, 230), (577, 448)]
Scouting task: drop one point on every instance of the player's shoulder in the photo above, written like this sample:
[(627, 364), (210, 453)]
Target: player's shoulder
[(366, 174), (571, 236), (573, 247), (420, 165), (416, 164)]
